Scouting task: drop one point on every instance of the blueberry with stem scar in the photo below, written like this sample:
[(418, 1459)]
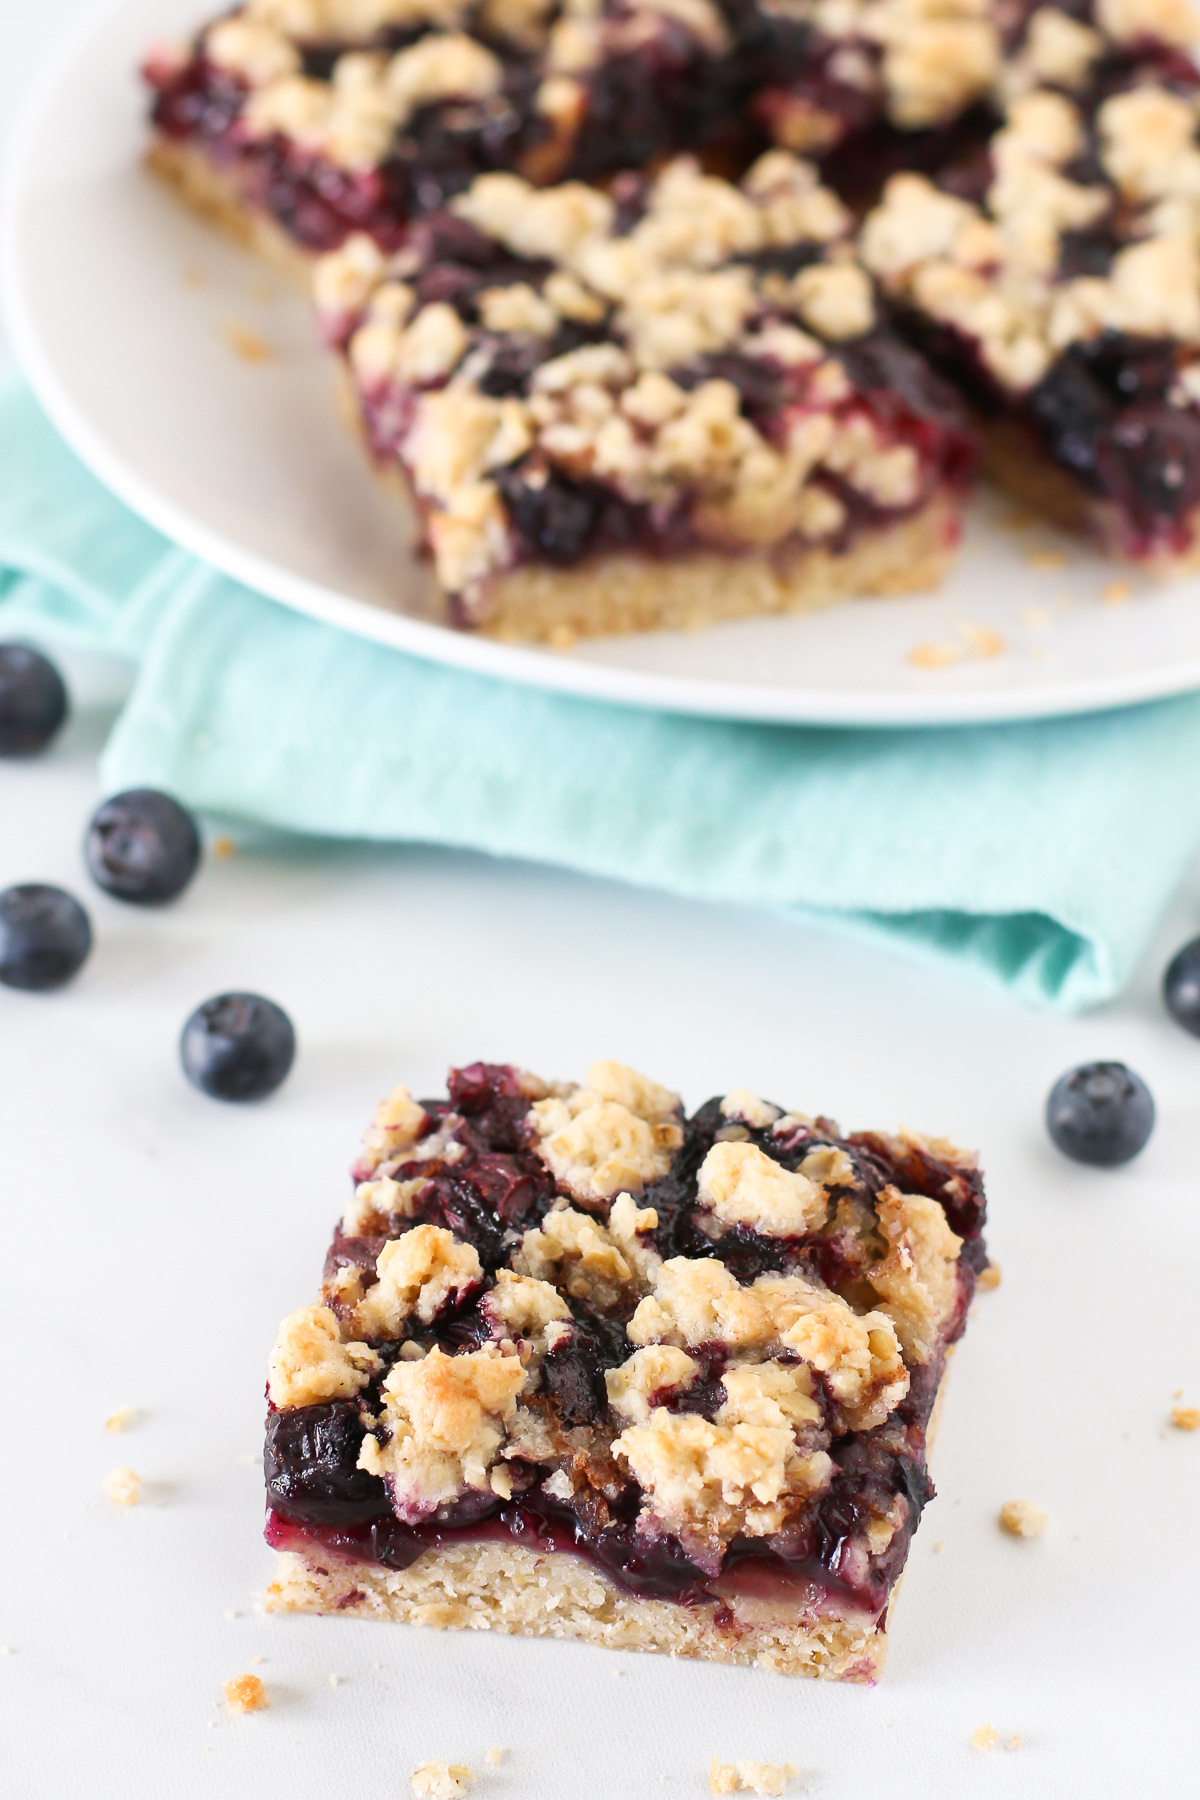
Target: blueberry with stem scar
[(1181, 987), (45, 937), (237, 1047), (33, 700), (1100, 1113), (142, 846)]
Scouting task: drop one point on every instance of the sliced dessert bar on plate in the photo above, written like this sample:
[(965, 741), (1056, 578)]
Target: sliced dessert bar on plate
[(665, 404), (299, 121), (584, 1367), (1057, 281)]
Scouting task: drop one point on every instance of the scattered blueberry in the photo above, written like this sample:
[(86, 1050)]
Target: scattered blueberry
[(33, 700), (1100, 1113), (237, 1047), (142, 846), (45, 936), (1181, 987)]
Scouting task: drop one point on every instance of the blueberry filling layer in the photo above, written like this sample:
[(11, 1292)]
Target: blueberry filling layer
[(478, 1170)]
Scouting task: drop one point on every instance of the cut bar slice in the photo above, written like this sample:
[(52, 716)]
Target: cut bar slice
[(663, 405), (1063, 292), (296, 122), (583, 1367)]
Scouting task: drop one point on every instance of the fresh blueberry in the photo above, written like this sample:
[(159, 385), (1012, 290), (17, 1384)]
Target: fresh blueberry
[(142, 846), (1181, 987), (1100, 1113), (45, 936), (33, 700), (237, 1047)]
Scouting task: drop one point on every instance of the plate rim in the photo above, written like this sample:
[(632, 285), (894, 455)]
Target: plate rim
[(553, 671)]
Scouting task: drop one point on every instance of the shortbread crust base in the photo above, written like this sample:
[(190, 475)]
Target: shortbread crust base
[(629, 592), (1016, 463), (216, 194), (525, 1593)]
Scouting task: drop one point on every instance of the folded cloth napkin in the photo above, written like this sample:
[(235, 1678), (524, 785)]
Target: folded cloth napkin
[(1036, 856)]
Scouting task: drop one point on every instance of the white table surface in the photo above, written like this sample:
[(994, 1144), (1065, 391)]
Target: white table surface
[(153, 1238)]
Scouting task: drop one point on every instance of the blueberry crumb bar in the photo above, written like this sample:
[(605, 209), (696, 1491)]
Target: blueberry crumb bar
[(661, 405), (584, 1367), (1055, 279)]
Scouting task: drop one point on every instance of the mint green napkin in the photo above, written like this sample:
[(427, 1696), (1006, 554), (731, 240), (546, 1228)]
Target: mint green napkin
[(1035, 856)]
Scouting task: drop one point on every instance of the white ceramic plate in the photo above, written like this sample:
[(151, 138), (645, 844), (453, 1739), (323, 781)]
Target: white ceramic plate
[(122, 310)]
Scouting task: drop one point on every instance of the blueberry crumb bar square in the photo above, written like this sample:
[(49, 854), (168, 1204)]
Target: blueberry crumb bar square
[(660, 405), (1055, 279), (584, 1367)]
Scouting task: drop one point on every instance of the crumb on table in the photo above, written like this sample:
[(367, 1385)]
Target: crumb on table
[(224, 848), (120, 1420), (935, 656), (494, 1755), (1185, 1418), (1115, 593), (1021, 1518), (1014, 1742), (982, 641), (123, 1487), (246, 1694), (748, 1777), (984, 1737), (1046, 559), (244, 343), (442, 1781), (989, 1278)]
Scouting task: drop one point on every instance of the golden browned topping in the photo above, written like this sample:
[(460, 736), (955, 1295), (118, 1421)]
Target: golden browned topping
[(593, 1261), (646, 1373), (616, 1133), (521, 1307), (699, 1301), (419, 1274), (918, 1279), (992, 274), (742, 1186), (447, 1416), (246, 1694), (746, 1107), (353, 118), (310, 1363), (397, 1124), (707, 1482)]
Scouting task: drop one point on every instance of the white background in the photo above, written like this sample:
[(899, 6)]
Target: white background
[(153, 1238)]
